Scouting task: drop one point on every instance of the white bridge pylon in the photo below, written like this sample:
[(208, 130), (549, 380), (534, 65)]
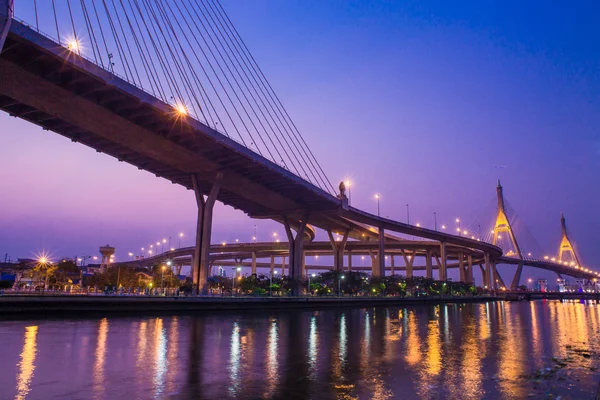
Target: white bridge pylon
[(566, 247), (502, 225)]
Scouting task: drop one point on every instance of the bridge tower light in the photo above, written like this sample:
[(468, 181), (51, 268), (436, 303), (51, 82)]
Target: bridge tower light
[(566, 247)]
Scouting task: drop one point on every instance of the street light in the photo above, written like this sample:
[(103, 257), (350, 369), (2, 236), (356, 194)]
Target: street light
[(377, 197), (313, 275), (271, 283), (180, 236), (348, 185), (162, 278), (340, 285)]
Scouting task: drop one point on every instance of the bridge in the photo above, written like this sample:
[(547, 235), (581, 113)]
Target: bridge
[(171, 88)]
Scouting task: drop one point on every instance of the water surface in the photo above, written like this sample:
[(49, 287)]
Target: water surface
[(471, 351)]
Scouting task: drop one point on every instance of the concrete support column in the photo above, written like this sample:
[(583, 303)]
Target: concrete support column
[(303, 258), (498, 281), (283, 266), (296, 251), (392, 272), (272, 265), (349, 260), (488, 271), (443, 266), (381, 253), (203, 231), (461, 267), (6, 14), (374, 269), (428, 266), (408, 261), (338, 251), (495, 281), (515, 282), (253, 263), (484, 279), (469, 268)]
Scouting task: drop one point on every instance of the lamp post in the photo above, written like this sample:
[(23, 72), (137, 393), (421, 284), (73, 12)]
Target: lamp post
[(377, 197), (180, 236), (162, 279), (233, 280), (348, 185), (458, 229), (309, 291), (340, 285), (271, 283), (435, 220), (408, 214)]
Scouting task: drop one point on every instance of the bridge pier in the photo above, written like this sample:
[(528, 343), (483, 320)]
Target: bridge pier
[(515, 282), (498, 281), (296, 250), (469, 268), (349, 261), (443, 270), (392, 272), (374, 269), (200, 264), (484, 279), (408, 261), (488, 271), (428, 265), (338, 250), (461, 267), (381, 253), (253, 263)]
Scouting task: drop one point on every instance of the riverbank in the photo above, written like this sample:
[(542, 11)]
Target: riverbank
[(36, 304)]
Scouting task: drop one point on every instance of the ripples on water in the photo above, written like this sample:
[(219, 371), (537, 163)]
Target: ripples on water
[(472, 351)]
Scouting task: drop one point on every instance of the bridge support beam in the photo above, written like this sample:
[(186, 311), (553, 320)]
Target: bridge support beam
[(296, 251), (428, 265), (484, 279), (461, 267), (201, 267), (515, 282), (488, 271), (349, 261), (408, 261), (381, 253), (443, 272), (253, 263), (393, 265), (6, 14), (498, 282), (338, 250), (283, 266), (469, 268)]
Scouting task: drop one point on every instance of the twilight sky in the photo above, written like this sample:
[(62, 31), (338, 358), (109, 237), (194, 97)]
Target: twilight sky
[(426, 103)]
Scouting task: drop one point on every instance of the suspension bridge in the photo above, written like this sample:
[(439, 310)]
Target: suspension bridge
[(171, 88)]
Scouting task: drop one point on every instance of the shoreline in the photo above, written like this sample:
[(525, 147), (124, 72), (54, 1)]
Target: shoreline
[(17, 305)]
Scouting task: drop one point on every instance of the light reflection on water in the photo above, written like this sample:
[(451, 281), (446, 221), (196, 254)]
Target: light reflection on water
[(468, 351), (27, 362)]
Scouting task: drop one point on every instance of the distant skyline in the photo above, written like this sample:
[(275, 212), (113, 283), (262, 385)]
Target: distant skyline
[(425, 103)]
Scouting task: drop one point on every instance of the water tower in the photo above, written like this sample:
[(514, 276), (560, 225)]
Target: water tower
[(106, 252)]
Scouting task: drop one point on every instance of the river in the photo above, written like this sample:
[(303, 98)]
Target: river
[(504, 350)]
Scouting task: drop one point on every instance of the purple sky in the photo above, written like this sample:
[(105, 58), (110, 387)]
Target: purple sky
[(418, 101)]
